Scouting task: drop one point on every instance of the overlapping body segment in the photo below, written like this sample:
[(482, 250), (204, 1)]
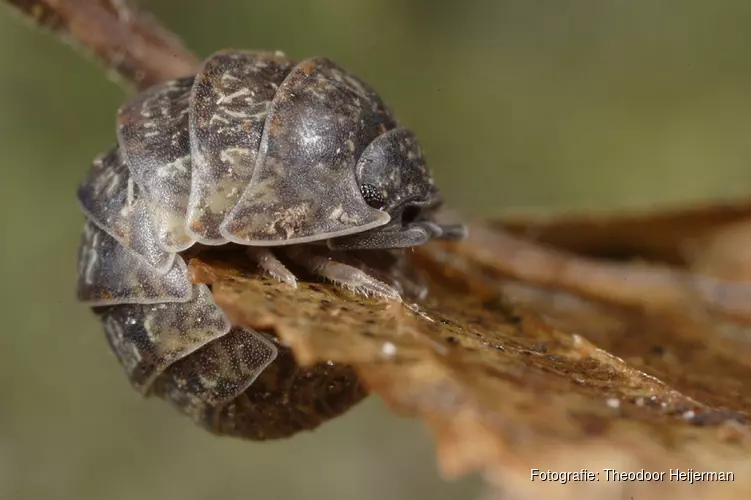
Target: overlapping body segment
[(111, 274), (261, 151), (152, 320), (304, 188), (152, 132), (220, 371), (113, 201), (285, 158), (229, 104), (147, 338)]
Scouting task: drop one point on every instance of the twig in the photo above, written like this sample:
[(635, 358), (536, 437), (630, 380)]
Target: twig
[(129, 42), (648, 286)]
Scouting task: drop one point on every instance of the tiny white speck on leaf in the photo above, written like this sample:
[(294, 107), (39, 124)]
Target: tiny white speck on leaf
[(388, 349)]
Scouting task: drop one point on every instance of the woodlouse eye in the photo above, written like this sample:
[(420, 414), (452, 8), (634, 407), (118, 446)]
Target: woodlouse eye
[(372, 196)]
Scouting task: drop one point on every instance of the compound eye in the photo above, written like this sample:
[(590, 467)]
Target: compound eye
[(372, 196)]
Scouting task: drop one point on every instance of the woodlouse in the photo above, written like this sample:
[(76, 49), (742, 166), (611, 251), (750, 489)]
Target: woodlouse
[(259, 151)]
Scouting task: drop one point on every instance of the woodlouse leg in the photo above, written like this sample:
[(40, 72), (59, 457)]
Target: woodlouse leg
[(393, 267), (398, 270), (268, 262), (346, 275)]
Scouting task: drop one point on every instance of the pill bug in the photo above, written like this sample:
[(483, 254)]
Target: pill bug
[(255, 151)]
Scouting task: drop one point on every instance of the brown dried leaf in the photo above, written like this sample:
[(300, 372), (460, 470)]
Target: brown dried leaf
[(708, 239), (517, 361)]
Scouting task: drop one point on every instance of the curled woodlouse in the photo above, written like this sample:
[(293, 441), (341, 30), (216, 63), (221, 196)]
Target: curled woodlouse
[(256, 150)]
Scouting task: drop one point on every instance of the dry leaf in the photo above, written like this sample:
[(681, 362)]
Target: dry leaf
[(707, 239), (518, 364)]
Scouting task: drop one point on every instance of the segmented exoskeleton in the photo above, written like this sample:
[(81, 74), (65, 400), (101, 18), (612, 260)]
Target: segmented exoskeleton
[(255, 150)]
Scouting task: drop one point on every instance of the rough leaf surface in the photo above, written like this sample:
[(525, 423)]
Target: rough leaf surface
[(516, 364)]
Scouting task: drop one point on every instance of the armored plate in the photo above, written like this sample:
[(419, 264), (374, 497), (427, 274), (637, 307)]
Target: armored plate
[(303, 188), (148, 338), (112, 200), (228, 107), (153, 135), (109, 274), (220, 371)]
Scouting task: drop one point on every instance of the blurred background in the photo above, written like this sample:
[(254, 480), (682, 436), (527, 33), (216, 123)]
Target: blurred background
[(539, 106)]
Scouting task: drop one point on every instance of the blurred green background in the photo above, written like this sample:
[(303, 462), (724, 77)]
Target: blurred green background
[(521, 105)]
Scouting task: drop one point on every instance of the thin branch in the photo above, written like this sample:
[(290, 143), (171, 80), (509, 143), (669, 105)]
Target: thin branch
[(129, 42), (647, 285)]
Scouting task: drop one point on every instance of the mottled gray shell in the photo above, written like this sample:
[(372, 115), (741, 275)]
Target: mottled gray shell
[(254, 150)]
